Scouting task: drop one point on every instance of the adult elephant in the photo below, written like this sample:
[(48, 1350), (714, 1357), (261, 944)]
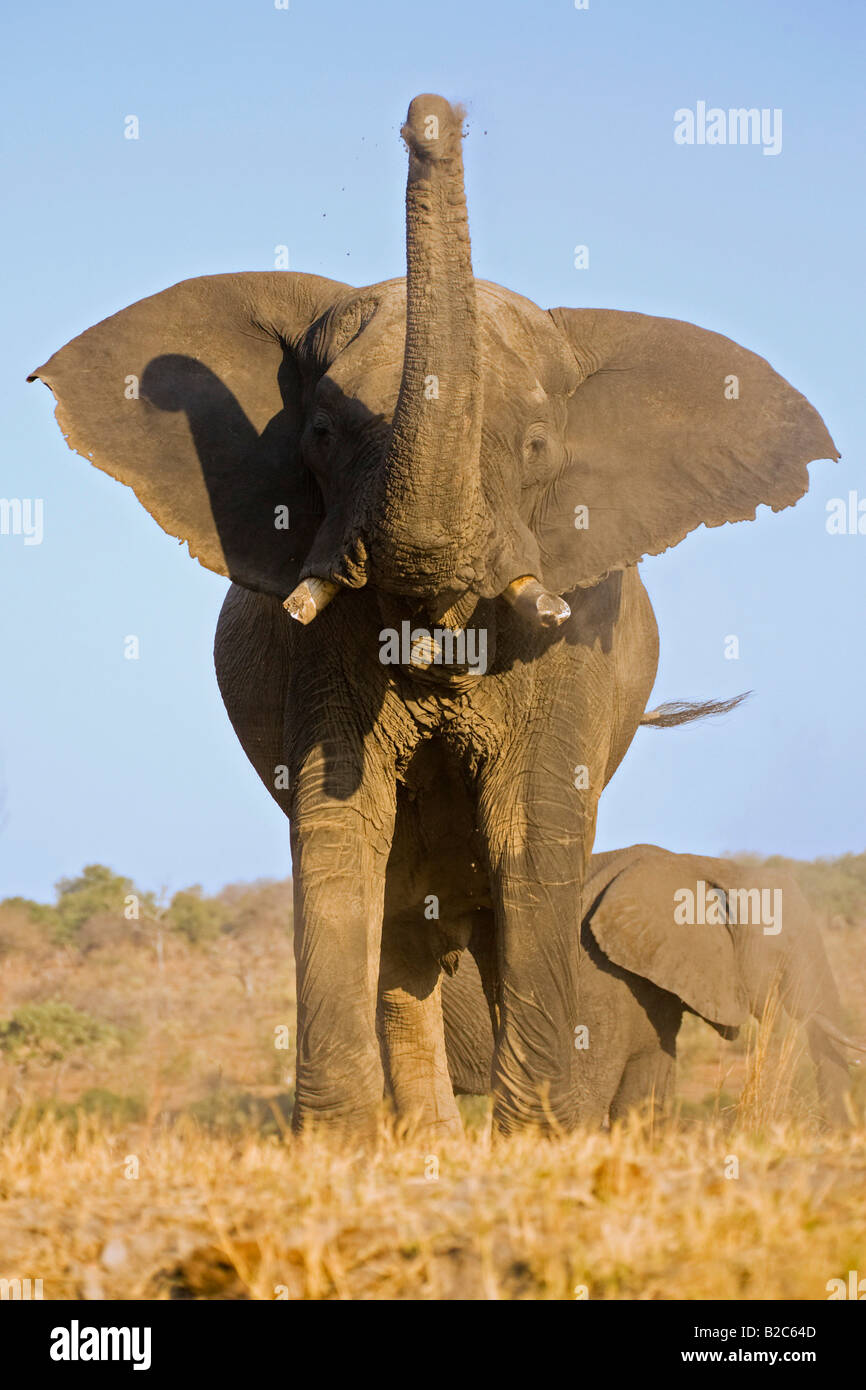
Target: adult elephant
[(664, 934), (435, 451)]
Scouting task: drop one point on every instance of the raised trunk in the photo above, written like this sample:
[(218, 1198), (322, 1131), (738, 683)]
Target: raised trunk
[(427, 533)]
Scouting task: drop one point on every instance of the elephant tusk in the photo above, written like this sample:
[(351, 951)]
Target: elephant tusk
[(307, 601), (531, 600), (836, 1034)]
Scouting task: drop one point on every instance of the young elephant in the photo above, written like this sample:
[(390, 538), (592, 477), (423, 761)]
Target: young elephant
[(664, 933)]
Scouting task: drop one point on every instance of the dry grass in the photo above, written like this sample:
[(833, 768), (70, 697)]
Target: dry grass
[(624, 1214), (226, 1204)]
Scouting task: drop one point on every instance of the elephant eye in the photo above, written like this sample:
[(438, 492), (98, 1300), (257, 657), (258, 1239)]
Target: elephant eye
[(533, 444)]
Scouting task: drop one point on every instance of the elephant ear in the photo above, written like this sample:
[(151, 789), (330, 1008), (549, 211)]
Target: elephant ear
[(193, 398), (671, 426), (633, 918)]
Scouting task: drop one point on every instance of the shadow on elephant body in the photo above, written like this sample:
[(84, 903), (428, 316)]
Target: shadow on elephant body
[(231, 451)]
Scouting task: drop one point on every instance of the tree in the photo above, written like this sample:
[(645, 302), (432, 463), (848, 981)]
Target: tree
[(196, 917)]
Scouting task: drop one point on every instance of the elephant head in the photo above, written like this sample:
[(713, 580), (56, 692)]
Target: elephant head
[(722, 936), (434, 437)]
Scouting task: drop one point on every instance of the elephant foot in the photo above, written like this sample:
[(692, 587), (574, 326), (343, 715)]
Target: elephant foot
[(339, 1131), (429, 1138), (413, 1049), (425, 1125), (346, 1109), (516, 1114)]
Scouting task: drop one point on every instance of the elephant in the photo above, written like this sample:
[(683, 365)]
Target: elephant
[(665, 934), (431, 497)]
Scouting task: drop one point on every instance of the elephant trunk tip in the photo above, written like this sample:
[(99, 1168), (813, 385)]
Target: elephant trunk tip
[(433, 128)]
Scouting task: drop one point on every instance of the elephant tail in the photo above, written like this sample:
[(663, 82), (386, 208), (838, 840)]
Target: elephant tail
[(676, 712)]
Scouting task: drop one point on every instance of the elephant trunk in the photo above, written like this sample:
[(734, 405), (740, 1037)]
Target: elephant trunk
[(810, 995), (428, 530)]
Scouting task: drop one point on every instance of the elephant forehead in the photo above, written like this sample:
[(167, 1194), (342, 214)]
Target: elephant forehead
[(370, 366), (363, 341), (514, 325)]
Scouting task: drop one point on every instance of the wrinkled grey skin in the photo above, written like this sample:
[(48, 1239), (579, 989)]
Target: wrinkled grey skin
[(640, 970), (475, 780), (428, 444)]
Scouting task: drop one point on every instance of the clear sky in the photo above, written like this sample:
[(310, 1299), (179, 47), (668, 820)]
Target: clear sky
[(261, 127)]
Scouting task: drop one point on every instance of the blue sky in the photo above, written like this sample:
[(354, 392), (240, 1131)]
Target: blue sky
[(261, 127)]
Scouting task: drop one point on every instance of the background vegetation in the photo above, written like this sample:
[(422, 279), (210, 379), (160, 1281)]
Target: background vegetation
[(146, 1085)]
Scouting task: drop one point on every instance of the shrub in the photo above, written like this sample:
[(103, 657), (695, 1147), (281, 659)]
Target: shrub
[(38, 913), (20, 933), (51, 1031), (231, 1112), (96, 892), (107, 1107), (194, 916), (111, 1107), (263, 906), (105, 930)]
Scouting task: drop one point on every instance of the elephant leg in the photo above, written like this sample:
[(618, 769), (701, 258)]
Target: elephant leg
[(411, 1033), (647, 1080), (538, 789), (470, 1014), (482, 949), (428, 923), (536, 846), (340, 848)]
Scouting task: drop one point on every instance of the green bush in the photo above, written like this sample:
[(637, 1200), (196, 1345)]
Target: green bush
[(96, 892), (194, 916), (52, 1031), (233, 1113), (108, 1107), (40, 913), (111, 1107)]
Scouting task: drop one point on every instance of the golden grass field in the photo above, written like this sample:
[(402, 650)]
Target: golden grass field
[(146, 1151), (619, 1215)]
